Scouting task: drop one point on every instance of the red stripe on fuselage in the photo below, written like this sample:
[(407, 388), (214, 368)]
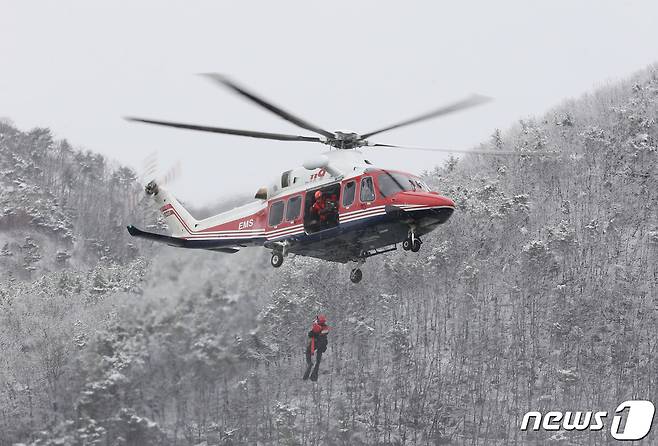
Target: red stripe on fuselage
[(410, 200)]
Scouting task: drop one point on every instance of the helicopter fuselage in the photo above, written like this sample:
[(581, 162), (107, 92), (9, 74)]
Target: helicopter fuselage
[(370, 210)]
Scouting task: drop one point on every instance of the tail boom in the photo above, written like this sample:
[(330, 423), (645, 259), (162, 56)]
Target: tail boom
[(180, 222)]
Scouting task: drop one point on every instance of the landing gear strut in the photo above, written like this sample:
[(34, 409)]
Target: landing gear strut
[(277, 259), (279, 252), (412, 243), (356, 275)]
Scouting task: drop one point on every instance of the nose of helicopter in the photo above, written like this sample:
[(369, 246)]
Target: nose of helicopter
[(422, 199), (428, 205), (439, 200)]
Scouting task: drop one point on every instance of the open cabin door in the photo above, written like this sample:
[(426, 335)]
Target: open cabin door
[(322, 213)]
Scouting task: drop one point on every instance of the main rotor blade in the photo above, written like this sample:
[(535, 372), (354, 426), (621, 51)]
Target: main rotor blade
[(478, 152), (470, 101), (269, 106), (250, 133)]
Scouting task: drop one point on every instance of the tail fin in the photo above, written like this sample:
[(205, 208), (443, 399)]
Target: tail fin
[(180, 222)]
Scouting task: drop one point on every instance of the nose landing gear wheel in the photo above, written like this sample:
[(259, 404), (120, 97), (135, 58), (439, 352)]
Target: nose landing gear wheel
[(415, 247), (276, 260), (356, 275), (406, 245)]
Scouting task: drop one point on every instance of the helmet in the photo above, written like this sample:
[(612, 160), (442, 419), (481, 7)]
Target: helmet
[(322, 319), (318, 194)]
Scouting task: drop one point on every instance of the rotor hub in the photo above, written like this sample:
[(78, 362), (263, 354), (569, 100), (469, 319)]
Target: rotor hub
[(346, 140)]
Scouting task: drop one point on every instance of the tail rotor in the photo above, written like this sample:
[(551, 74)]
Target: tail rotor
[(150, 179)]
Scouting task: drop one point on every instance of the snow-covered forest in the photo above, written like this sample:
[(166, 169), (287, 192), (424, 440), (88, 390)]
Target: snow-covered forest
[(538, 294)]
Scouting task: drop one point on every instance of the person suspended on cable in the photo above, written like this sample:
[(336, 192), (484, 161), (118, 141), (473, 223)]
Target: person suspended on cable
[(316, 345)]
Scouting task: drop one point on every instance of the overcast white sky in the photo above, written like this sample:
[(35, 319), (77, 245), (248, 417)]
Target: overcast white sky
[(79, 66)]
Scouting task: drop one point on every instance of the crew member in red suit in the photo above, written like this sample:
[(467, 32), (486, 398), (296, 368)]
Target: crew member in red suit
[(320, 206), (317, 344)]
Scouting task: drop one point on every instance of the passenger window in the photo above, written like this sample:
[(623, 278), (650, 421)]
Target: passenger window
[(349, 191), (367, 190), (294, 207), (276, 213)]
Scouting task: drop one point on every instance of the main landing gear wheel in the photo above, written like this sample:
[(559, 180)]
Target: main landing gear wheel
[(356, 275), (277, 259), (406, 245), (415, 247)]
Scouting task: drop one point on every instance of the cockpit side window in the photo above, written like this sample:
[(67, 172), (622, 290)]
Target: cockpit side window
[(349, 192), (367, 190), (276, 213)]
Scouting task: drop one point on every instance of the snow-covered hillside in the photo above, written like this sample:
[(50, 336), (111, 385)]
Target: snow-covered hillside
[(539, 293)]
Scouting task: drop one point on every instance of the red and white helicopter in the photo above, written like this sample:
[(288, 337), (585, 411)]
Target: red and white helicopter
[(336, 207)]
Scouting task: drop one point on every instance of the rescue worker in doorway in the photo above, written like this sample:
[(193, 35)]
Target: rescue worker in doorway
[(316, 344), (319, 207), (325, 209), (332, 210)]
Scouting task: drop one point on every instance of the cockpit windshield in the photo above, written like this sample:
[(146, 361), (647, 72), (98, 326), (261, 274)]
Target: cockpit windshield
[(391, 183), (421, 185)]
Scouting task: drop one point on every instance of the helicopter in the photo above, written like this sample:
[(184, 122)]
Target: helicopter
[(336, 206)]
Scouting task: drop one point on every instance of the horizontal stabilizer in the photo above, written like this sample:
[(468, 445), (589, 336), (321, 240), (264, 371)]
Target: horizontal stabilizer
[(172, 241), (175, 241)]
